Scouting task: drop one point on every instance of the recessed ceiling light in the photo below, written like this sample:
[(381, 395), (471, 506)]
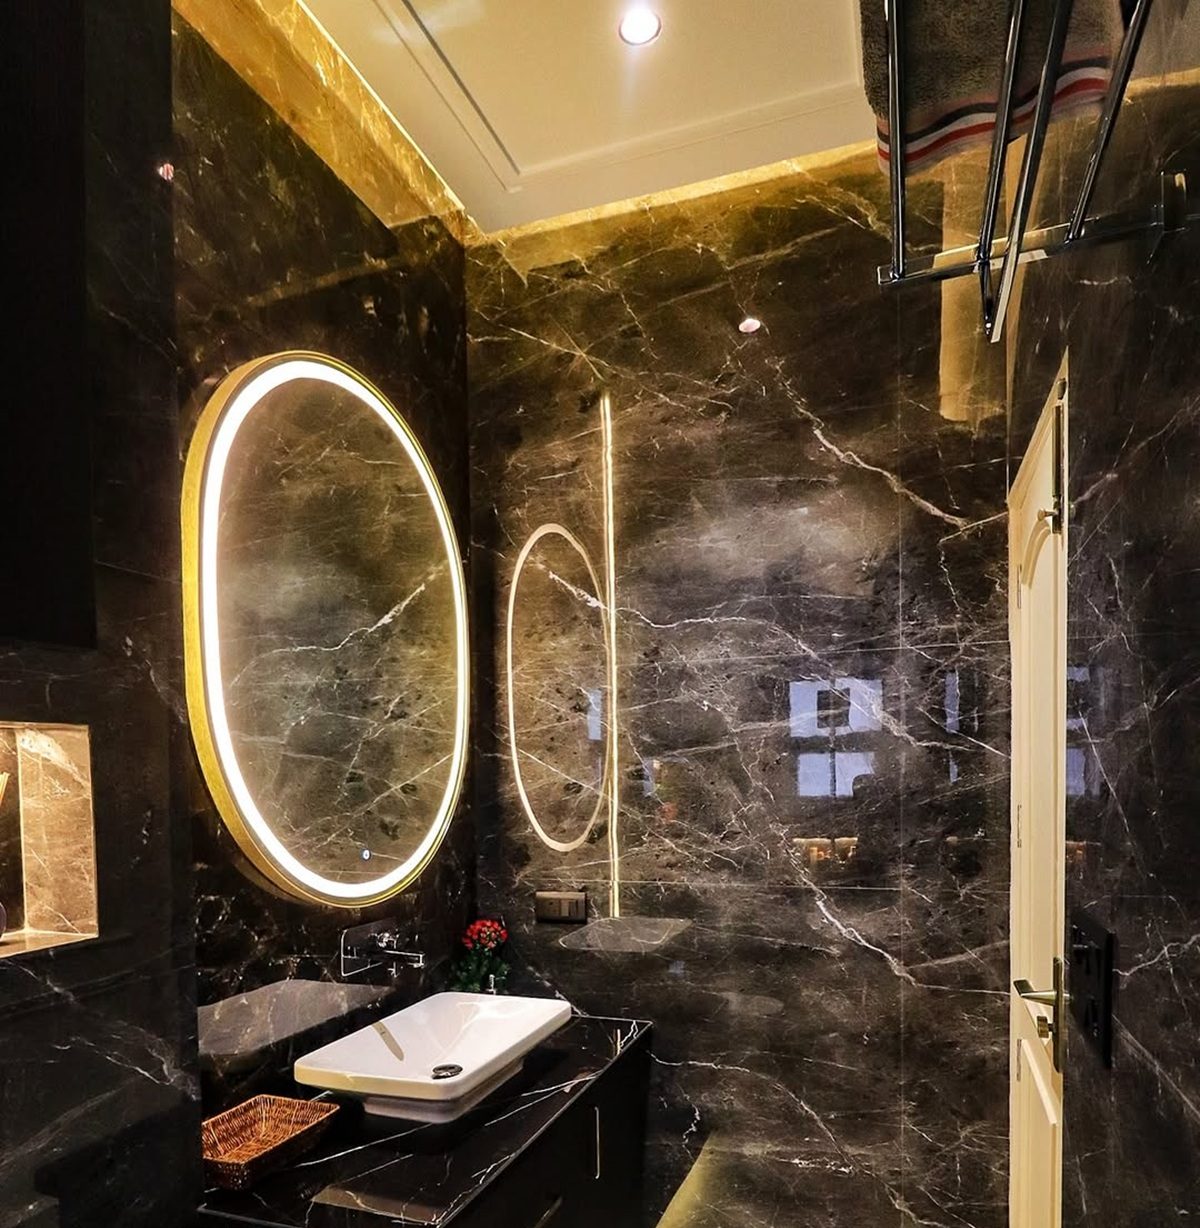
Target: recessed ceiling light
[(640, 26), (751, 324)]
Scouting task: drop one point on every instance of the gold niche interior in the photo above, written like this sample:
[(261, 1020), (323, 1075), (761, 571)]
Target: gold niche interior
[(47, 837)]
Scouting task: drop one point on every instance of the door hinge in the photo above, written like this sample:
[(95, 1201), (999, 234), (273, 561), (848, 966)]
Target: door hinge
[(1019, 1048), (1018, 825)]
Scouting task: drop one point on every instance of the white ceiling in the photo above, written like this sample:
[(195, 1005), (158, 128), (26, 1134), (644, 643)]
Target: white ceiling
[(534, 108)]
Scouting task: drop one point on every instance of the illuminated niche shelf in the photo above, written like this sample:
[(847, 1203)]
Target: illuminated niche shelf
[(47, 838)]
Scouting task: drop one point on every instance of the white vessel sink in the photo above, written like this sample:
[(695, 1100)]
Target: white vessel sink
[(437, 1058)]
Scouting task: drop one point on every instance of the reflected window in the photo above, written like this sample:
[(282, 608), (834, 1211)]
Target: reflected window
[(849, 767), (952, 701), (1083, 772), (802, 705), (1078, 677), (842, 706), (832, 773), (813, 775), (831, 717), (1083, 767), (595, 714), (833, 709), (964, 699)]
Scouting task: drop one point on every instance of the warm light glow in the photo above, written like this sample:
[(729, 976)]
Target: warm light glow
[(610, 552), (50, 833), (609, 793), (253, 384), (640, 26), (751, 324), (550, 530)]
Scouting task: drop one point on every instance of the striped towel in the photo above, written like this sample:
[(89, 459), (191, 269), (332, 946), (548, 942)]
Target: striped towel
[(954, 61)]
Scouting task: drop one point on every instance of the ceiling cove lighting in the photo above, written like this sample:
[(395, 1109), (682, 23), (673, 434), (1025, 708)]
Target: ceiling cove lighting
[(640, 26)]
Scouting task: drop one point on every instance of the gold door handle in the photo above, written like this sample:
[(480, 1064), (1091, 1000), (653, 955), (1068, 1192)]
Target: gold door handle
[(1054, 1028)]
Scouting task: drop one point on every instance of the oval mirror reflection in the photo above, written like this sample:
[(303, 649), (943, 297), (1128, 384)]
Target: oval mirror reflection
[(326, 630), (557, 666)]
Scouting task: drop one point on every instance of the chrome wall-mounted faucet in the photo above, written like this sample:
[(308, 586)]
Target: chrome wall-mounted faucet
[(375, 945), (388, 944)]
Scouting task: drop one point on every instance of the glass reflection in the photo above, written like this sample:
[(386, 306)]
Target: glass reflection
[(1083, 768), (829, 718)]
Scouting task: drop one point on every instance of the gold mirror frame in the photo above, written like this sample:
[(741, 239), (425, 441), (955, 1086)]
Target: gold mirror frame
[(208, 452)]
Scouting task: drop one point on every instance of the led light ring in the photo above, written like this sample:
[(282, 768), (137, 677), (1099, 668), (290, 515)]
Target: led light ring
[(224, 415), (610, 600), (550, 530)]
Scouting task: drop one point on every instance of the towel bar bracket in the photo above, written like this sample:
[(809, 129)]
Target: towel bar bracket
[(990, 255), (1174, 211)]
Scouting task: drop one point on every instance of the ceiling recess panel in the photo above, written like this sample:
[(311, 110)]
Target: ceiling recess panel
[(534, 108)]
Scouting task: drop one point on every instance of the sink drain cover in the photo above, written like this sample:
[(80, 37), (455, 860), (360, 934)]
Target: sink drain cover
[(446, 1072)]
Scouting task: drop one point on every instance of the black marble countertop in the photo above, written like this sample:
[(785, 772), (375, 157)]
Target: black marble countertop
[(369, 1171)]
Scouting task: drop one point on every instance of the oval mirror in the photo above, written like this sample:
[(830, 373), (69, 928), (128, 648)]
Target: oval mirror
[(558, 688), (325, 630)]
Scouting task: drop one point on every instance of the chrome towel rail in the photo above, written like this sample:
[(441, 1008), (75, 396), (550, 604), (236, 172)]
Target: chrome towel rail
[(1170, 213)]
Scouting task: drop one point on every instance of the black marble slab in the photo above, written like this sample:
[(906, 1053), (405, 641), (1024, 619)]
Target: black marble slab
[(813, 690), (99, 1111), (247, 1040), (1129, 318), (372, 1171)]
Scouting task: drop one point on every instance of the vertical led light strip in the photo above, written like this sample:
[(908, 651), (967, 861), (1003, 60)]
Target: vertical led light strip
[(610, 786), (610, 594)]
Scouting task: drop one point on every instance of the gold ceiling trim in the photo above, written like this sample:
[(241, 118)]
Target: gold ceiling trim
[(289, 59)]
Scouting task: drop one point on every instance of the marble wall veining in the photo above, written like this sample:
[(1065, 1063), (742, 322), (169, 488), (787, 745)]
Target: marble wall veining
[(1128, 317), (273, 253), (98, 1095), (54, 769), (811, 679), (812, 691)]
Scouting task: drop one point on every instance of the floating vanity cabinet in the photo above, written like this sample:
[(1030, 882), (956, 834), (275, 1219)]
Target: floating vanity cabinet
[(585, 1171), (559, 1146)]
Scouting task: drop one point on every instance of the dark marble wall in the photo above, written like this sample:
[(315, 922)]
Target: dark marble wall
[(274, 253), (98, 1115), (1130, 323), (812, 691), (810, 574)]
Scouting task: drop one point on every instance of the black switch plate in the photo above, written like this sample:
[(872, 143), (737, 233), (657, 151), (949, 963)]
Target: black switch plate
[(1092, 982), (560, 906)]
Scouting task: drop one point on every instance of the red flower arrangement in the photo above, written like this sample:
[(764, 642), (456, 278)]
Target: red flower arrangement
[(481, 967), (484, 933)]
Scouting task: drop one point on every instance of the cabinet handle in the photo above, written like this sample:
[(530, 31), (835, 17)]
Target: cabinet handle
[(596, 1110), (551, 1211)]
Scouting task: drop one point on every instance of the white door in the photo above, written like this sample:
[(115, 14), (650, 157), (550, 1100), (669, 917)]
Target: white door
[(1037, 556)]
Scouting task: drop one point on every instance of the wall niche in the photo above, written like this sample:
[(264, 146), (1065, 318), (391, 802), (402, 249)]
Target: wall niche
[(47, 838)]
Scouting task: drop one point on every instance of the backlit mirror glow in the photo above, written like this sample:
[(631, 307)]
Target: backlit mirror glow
[(326, 630)]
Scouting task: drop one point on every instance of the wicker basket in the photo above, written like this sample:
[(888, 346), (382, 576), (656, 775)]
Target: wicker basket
[(243, 1143)]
